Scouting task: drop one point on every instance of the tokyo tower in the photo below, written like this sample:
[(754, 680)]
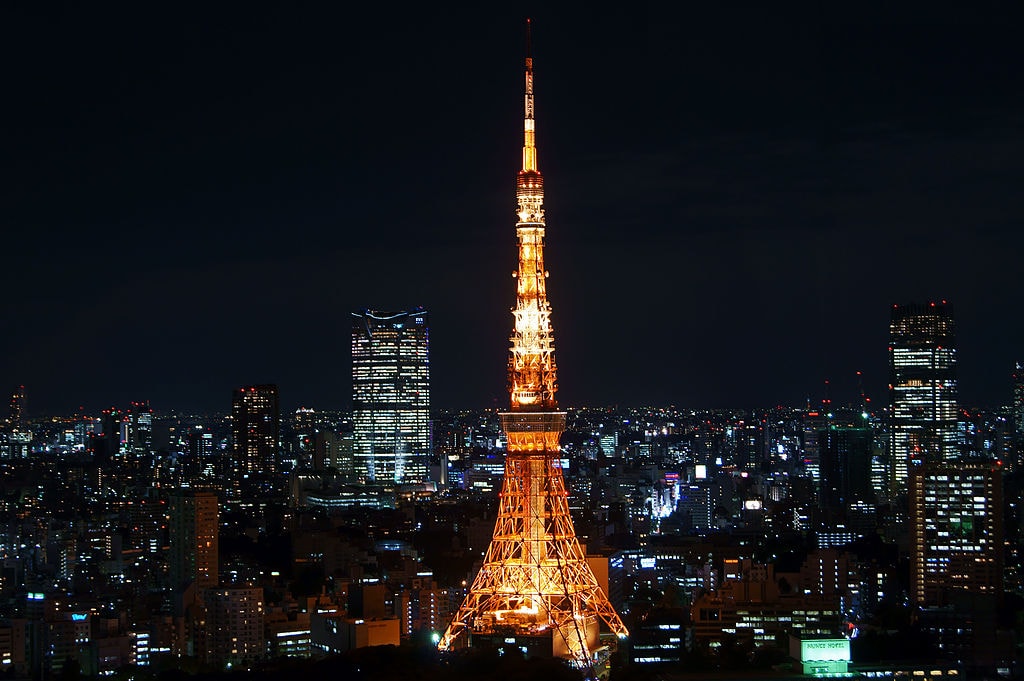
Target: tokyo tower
[(535, 588)]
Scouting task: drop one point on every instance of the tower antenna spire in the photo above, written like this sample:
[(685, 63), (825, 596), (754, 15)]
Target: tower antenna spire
[(529, 140), (529, 38)]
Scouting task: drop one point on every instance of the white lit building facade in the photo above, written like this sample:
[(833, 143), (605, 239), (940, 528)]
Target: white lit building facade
[(391, 396), (956, 520), (922, 387)]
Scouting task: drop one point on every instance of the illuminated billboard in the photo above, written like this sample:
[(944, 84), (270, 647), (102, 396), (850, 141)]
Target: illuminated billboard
[(825, 650), (821, 656)]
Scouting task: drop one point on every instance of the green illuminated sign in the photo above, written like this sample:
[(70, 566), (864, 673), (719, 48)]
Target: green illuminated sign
[(825, 650)]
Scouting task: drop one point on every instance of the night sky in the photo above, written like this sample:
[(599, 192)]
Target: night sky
[(195, 198)]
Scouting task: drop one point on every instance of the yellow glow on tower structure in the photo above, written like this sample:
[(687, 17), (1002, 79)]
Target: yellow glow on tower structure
[(535, 584)]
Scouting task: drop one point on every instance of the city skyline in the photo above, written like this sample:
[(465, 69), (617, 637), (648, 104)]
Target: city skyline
[(846, 537), (745, 194)]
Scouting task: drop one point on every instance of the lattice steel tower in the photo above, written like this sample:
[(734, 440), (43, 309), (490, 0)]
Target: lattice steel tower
[(535, 584)]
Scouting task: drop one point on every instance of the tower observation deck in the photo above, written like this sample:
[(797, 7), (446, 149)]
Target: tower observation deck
[(535, 585)]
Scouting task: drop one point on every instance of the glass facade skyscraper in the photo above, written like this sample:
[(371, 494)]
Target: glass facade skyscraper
[(391, 395), (922, 387)]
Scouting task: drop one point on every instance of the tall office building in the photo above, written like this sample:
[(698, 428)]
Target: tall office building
[(255, 431), (815, 421), (139, 438), (193, 530), (956, 519), (922, 387), (846, 453), (391, 395), (111, 443)]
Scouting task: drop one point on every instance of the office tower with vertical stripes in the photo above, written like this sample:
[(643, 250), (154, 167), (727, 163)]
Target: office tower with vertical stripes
[(922, 388), (391, 396)]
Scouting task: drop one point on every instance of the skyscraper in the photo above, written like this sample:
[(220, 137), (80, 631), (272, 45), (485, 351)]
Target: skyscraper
[(255, 431), (140, 428), (1018, 401), (391, 395), (15, 438), (193, 531), (846, 452), (536, 591), (922, 387), (956, 519), (110, 444), (16, 413)]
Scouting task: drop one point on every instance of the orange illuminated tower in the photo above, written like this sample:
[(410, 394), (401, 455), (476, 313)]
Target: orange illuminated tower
[(535, 590)]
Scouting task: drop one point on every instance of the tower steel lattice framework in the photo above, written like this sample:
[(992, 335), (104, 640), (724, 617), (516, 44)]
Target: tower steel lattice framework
[(535, 579)]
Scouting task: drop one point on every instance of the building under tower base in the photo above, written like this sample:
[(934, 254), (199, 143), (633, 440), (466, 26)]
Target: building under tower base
[(543, 640)]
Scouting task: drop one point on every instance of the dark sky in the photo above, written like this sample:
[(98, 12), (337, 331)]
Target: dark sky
[(195, 198)]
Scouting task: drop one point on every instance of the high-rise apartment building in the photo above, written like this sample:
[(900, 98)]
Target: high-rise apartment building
[(922, 387), (255, 430), (16, 406), (234, 627), (193, 530), (956, 524), (391, 395), (15, 437)]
